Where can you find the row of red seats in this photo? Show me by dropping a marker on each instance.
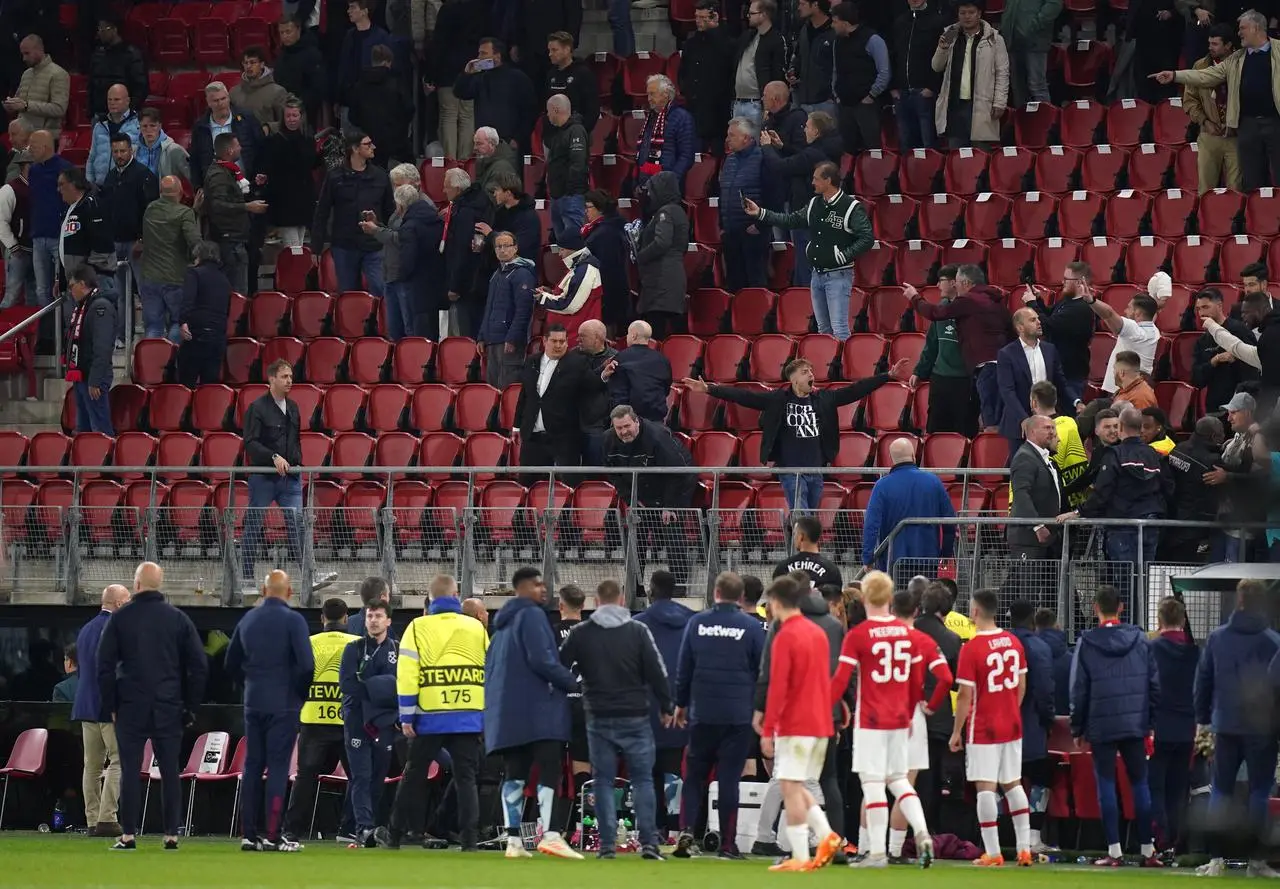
(1078, 215)
(208, 33)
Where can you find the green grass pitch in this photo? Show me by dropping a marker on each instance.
(38, 860)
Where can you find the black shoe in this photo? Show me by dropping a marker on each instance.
(123, 845)
(110, 829)
(652, 853)
(386, 838)
(686, 845)
(771, 850)
(727, 854)
(469, 847)
(606, 855)
(170, 845)
(430, 842)
(840, 859)
(899, 859)
(248, 845)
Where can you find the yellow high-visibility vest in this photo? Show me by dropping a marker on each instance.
(324, 696)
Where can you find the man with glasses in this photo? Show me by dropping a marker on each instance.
(508, 313)
(761, 59)
(1069, 324)
(357, 190)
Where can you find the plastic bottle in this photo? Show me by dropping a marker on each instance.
(59, 818)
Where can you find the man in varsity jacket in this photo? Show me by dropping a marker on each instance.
(839, 232)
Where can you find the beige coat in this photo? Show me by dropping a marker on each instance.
(990, 85)
(1229, 71)
(46, 89)
(1200, 103)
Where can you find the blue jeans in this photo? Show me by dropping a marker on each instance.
(44, 255)
(1258, 753)
(567, 216)
(751, 109)
(19, 277)
(632, 737)
(989, 401)
(349, 264)
(124, 252)
(264, 490)
(831, 292)
(593, 449)
(93, 415)
(269, 740)
(1133, 752)
(801, 272)
(401, 315)
(915, 120)
(161, 306)
(368, 760)
(803, 496)
(624, 35)
(1122, 547)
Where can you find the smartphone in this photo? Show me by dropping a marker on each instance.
(742, 197)
(367, 215)
(484, 64)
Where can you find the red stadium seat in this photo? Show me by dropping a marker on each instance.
(1030, 214)
(1101, 167)
(939, 217)
(128, 403)
(310, 314)
(705, 219)
(861, 355)
(355, 314)
(1010, 169)
(986, 215)
(1100, 348)
(943, 450)
(248, 32)
(1143, 257)
(873, 267)
(368, 359)
(507, 404)
(1182, 354)
(1052, 256)
(90, 449)
(750, 308)
(1151, 167)
(711, 448)
(697, 411)
(893, 214)
(212, 42)
(288, 348)
(440, 450)
(1127, 120)
(1219, 208)
(177, 450)
(170, 42)
(875, 173)
(1033, 125)
(684, 352)
(211, 406)
(887, 406)
(1237, 252)
(1055, 169)
(412, 360)
(1171, 212)
(395, 449)
(906, 345)
(1126, 212)
(387, 405)
(638, 67)
(855, 449)
(167, 407)
(1010, 261)
(769, 354)
(325, 358)
(293, 264)
(920, 405)
(708, 307)
(916, 261)
(151, 361)
(1192, 258)
(724, 357)
(887, 309)
(965, 169)
(476, 407)
(351, 449)
(1262, 213)
(611, 170)
(795, 311)
(431, 406)
(342, 406)
(246, 396)
(697, 182)
(1080, 121)
(1086, 62)
(486, 449)
(308, 399)
(237, 310)
(1080, 214)
(738, 417)
(990, 450)
(1170, 123)
(224, 449)
(1104, 256)
(920, 171)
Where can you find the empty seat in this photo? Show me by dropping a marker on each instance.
(965, 170)
(1080, 215)
(475, 407)
(456, 359)
(1056, 168)
(1010, 170)
(1127, 120)
(861, 355)
(986, 216)
(90, 449)
(894, 215)
(176, 450)
(211, 406)
(411, 362)
(368, 359)
(1127, 212)
(431, 405)
(242, 360)
(920, 170)
(223, 449)
(750, 308)
(724, 356)
(1101, 167)
(1219, 208)
(1262, 213)
(916, 261)
(440, 450)
(1104, 256)
(684, 353)
(939, 216)
(1237, 252)
(486, 449)
(308, 398)
(310, 315)
(1034, 123)
(167, 407)
(874, 267)
(1030, 214)
(386, 407)
(769, 355)
(128, 406)
(325, 359)
(1143, 257)
(353, 449)
(1172, 210)
(343, 407)
(1151, 167)
(283, 348)
(1170, 124)
(875, 173)
(886, 407)
(151, 361)
(355, 314)
(1010, 261)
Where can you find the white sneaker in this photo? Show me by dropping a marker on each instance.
(553, 844)
(871, 861)
(1259, 868)
(1043, 848)
(516, 849)
(320, 581)
(1215, 868)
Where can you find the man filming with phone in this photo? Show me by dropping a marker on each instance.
(503, 94)
(1070, 324)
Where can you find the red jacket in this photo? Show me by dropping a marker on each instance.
(799, 676)
(982, 320)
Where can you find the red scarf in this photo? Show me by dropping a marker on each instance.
(74, 373)
(657, 138)
(448, 217)
(235, 171)
(590, 226)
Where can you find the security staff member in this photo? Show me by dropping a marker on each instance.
(715, 685)
(151, 675)
(369, 712)
(90, 338)
(321, 744)
(440, 680)
(269, 648)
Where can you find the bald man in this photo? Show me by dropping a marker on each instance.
(270, 648)
(640, 376)
(96, 728)
(151, 674)
(119, 118)
(593, 343)
(567, 143)
(783, 125)
(43, 92)
(170, 233)
(907, 492)
(47, 211)
(475, 608)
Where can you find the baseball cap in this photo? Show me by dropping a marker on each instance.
(1241, 401)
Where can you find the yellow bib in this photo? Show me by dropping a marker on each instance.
(324, 697)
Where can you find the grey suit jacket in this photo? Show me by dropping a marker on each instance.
(1036, 494)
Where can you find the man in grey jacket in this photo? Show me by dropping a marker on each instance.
(169, 233)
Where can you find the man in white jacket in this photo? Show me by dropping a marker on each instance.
(15, 235)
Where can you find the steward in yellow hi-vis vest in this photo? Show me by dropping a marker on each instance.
(324, 696)
(440, 673)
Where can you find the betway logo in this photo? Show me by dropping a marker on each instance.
(735, 634)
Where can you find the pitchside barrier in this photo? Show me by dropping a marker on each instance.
(65, 533)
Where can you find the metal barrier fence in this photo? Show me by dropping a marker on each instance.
(66, 533)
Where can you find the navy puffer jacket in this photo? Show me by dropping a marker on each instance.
(1115, 685)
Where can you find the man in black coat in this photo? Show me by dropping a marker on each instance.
(1070, 324)
(783, 122)
(640, 376)
(935, 604)
(1214, 369)
(1037, 494)
(593, 410)
(503, 95)
(382, 107)
(114, 61)
(468, 206)
(791, 166)
(151, 675)
(126, 193)
(1193, 500)
(767, 61)
(349, 192)
(300, 67)
(571, 79)
(801, 425)
(547, 412)
(706, 75)
(915, 84)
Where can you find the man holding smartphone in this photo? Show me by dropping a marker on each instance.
(1069, 324)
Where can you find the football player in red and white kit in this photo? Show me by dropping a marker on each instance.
(905, 607)
(992, 675)
(884, 651)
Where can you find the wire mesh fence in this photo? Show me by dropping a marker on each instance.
(33, 548)
(670, 539)
(586, 546)
(423, 541)
(109, 544)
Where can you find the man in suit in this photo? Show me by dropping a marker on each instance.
(1037, 494)
(551, 388)
(1021, 364)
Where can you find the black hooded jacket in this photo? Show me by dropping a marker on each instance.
(1131, 483)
